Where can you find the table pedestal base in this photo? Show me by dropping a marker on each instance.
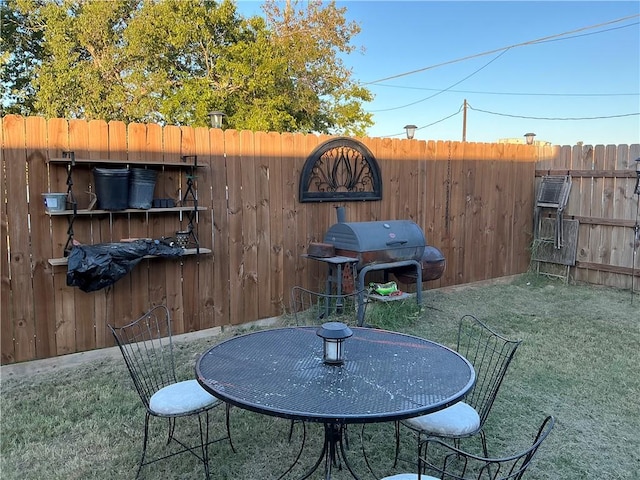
(332, 453)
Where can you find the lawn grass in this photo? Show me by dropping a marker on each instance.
(578, 361)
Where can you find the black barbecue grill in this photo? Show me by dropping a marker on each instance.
(377, 242)
(390, 245)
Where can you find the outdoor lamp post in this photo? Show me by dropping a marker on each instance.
(333, 335)
(529, 138)
(411, 131)
(637, 189)
(216, 119)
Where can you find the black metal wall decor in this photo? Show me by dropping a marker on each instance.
(341, 169)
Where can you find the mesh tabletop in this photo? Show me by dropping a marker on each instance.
(386, 375)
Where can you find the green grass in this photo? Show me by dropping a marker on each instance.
(579, 361)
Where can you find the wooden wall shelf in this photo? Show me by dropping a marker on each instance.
(128, 210)
(187, 251)
(143, 162)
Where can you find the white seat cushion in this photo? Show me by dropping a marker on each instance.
(457, 420)
(180, 398)
(408, 476)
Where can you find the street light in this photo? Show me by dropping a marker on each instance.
(411, 131)
(529, 138)
(216, 119)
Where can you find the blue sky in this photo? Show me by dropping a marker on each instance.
(594, 72)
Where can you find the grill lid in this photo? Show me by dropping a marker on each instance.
(377, 236)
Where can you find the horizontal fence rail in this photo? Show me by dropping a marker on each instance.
(474, 202)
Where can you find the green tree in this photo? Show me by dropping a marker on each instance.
(20, 52)
(173, 61)
(326, 99)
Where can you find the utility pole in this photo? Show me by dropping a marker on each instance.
(464, 121)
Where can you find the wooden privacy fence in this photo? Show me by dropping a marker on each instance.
(474, 202)
(603, 203)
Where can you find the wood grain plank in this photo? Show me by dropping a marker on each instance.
(456, 215)
(44, 310)
(443, 206)
(597, 210)
(84, 302)
(118, 228)
(103, 299)
(159, 226)
(315, 220)
(139, 223)
(204, 230)
(581, 158)
(278, 297)
(7, 350)
(476, 177)
(294, 222)
(395, 200)
(374, 209)
(174, 184)
(497, 230)
(237, 299)
(435, 193)
(298, 220)
(22, 327)
(249, 224)
(190, 266)
(220, 227)
(523, 232)
(263, 171)
(58, 141)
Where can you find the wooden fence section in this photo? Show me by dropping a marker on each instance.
(602, 200)
(474, 202)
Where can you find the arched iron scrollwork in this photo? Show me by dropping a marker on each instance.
(341, 169)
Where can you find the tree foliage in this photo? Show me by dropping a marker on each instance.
(173, 61)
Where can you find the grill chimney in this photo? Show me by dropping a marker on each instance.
(340, 213)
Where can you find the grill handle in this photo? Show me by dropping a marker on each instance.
(396, 242)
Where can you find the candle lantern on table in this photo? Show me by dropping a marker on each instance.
(333, 335)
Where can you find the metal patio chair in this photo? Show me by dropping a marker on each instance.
(316, 308)
(439, 460)
(490, 354)
(147, 349)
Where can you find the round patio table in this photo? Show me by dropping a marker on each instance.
(386, 376)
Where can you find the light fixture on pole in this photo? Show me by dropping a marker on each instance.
(216, 119)
(529, 138)
(411, 131)
(333, 335)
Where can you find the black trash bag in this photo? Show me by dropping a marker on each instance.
(92, 267)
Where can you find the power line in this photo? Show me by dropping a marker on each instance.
(522, 94)
(591, 33)
(530, 42)
(553, 118)
(515, 116)
(428, 125)
(446, 89)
